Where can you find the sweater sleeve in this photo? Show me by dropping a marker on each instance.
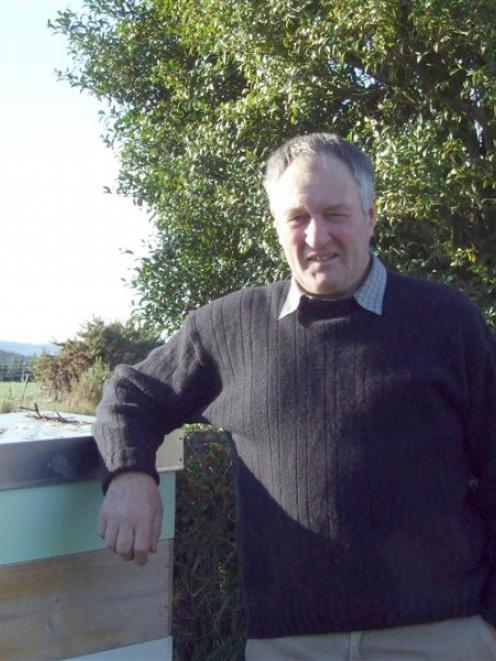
(142, 403)
(479, 359)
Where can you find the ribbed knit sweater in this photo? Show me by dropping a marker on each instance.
(364, 450)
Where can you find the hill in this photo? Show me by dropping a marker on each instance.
(10, 357)
(14, 366)
(28, 349)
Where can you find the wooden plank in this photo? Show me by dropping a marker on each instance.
(49, 521)
(78, 604)
(153, 650)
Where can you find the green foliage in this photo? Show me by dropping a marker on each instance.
(86, 391)
(77, 372)
(117, 343)
(208, 620)
(59, 372)
(198, 93)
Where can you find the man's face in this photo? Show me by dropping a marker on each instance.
(321, 225)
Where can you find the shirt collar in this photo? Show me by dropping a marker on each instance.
(370, 295)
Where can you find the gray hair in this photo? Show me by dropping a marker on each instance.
(329, 144)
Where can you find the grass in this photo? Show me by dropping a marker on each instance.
(14, 394)
(16, 389)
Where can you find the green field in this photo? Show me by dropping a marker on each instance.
(14, 394)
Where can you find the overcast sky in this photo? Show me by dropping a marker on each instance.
(61, 236)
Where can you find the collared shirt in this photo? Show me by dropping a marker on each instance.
(370, 295)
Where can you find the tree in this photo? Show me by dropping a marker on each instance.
(91, 355)
(198, 93)
(116, 343)
(58, 373)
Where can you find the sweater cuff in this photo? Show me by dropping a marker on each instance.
(129, 460)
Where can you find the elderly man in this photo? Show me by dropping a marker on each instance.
(362, 410)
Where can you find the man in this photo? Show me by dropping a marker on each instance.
(362, 409)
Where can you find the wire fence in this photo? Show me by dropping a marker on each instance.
(16, 373)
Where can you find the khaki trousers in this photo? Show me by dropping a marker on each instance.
(464, 639)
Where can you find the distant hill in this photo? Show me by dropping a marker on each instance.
(14, 366)
(8, 357)
(28, 349)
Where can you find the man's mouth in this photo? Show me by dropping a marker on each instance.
(322, 258)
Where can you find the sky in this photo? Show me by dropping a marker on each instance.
(61, 236)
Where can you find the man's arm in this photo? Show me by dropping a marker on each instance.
(478, 355)
(141, 404)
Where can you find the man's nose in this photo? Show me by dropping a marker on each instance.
(317, 233)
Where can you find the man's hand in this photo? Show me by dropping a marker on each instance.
(131, 516)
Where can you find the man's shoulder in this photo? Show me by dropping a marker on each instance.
(246, 299)
(442, 300)
(427, 289)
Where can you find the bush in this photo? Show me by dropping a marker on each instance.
(208, 617)
(86, 391)
(7, 403)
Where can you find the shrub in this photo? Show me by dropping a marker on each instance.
(208, 618)
(86, 391)
(7, 404)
